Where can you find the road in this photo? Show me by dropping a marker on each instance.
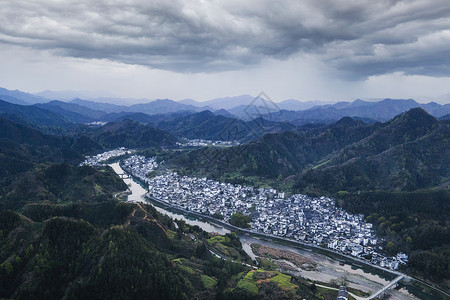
(374, 295)
(227, 258)
(386, 287)
(269, 236)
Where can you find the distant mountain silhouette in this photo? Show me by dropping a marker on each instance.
(160, 106)
(13, 100)
(292, 104)
(228, 102)
(32, 115)
(25, 98)
(380, 111)
(73, 112)
(102, 106)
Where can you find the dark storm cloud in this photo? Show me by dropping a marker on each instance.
(361, 37)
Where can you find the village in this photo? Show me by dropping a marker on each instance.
(312, 220)
(100, 159)
(139, 166)
(300, 217)
(203, 143)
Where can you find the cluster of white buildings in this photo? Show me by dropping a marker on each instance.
(200, 194)
(312, 220)
(139, 166)
(203, 143)
(96, 123)
(99, 159)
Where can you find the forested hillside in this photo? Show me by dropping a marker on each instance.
(131, 134)
(206, 125)
(120, 251)
(21, 147)
(35, 117)
(407, 153)
(61, 183)
(410, 152)
(67, 237)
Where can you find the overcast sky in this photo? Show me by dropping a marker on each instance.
(307, 50)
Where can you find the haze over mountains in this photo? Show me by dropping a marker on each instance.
(244, 107)
(356, 145)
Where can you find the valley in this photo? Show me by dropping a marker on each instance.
(364, 201)
(225, 150)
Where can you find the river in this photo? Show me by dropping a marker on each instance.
(138, 195)
(327, 268)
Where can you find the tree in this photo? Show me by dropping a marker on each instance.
(390, 247)
(8, 267)
(217, 215)
(240, 220)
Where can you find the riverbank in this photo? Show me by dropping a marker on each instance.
(340, 257)
(360, 274)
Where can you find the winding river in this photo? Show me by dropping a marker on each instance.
(328, 269)
(138, 195)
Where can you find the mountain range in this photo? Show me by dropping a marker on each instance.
(159, 106)
(409, 152)
(244, 107)
(34, 116)
(19, 97)
(378, 111)
(246, 100)
(349, 154)
(310, 144)
(59, 218)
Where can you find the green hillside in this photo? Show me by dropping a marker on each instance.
(206, 125)
(407, 153)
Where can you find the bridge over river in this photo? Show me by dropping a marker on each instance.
(386, 287)
(374, 295)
